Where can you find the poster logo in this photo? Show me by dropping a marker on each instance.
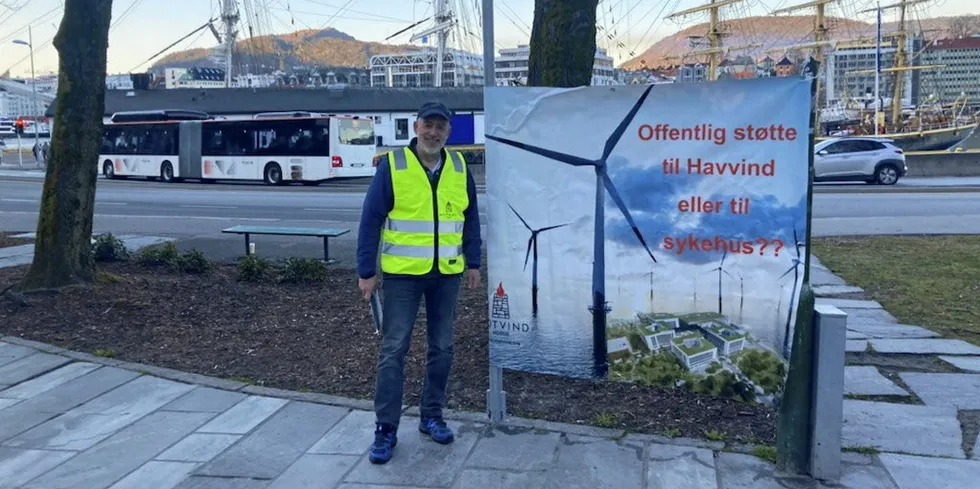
(500, 308)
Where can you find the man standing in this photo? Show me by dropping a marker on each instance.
(424, 198)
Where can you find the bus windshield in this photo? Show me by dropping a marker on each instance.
(355, 132)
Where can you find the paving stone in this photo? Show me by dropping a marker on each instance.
(866, 316)
(48, 381)
(280, 441)
(856, 458)
(922, 430)
(242, 417)
(199, 447)
(970, 364)
(351, 436)
(829, 290)
(38, 409)
(156, 475)
(514, 449)
(961, 391)
(855, 345)
(383, 486)
(866, 380)
(911, 472)
(5, 403)
(865, 476)
(89, 423)
(206, 400)
(30, 366)
(895, 331)
(596, 463)
(852, 335)
(198, 482)
(674, 467)
(313, 471)
(741, 471)
(10, 353)
(417, 459)
(927, 346)
(18, 466)
(976, 450)
(821, 276)
(115, 457)
(482, 479)
(16, 261)
(849, 303)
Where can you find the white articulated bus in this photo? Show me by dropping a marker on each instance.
(179, 145)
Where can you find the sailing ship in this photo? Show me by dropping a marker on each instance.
(928, 126)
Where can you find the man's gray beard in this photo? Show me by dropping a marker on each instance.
(428, 151)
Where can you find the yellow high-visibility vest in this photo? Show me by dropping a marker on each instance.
(412, 237)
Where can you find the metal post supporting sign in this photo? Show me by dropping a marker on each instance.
(496, 397)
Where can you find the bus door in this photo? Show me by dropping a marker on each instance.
(352, 147)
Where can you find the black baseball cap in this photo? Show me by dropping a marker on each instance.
(434, 109)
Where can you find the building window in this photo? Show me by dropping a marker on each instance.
(401, 128)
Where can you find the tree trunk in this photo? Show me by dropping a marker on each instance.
(62, 250)
(562, 43)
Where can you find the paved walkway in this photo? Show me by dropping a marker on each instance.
(69, 420)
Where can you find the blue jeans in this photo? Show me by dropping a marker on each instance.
(401, 297)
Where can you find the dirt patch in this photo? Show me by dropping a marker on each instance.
(6, 240)
(320, 338)
(970, 424)
(901, 362)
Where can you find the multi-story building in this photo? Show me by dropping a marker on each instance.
(194, 78)
(119, 82)
(729, 338)
(510, 66)
(417, 69)
(694, 350)
(960, 71)
(851, 71)
(21, 104)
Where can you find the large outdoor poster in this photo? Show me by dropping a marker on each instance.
(696, 247)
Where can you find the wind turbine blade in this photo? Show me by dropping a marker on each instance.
(527, 255)
(787, 272)
(626, 212)
(553, 227)
(730, 275)
(723, 255)
(562, 157)
(519, 217)
(618, 133)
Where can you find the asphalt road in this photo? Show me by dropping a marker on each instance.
(197, 213)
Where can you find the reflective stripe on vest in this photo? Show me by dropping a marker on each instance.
(413, 236)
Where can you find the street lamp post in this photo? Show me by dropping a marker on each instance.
(37, 124)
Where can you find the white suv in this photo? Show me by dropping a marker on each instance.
(867, 159)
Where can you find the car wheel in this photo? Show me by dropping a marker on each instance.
(886, 175)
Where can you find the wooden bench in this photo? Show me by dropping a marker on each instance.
(325, 233)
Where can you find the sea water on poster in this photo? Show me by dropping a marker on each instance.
(703, 168)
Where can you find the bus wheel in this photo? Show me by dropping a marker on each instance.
(273, 174)
(166, 172)
(107, 170)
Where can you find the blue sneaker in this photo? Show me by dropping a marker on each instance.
(436, 428)
(385, 439)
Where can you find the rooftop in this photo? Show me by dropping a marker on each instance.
(959, 43)
(221, 101)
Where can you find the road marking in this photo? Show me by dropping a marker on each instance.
(110, 203)
(209, 207)
(319, 210)
(19, 200)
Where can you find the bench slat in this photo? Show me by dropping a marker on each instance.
(329, 232)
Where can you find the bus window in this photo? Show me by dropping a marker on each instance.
(355, 132)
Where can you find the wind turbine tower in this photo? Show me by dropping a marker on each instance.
(443, 23)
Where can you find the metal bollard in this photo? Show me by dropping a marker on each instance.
(827, 415)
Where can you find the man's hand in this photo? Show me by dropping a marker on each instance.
(367, 286)
(472, 278)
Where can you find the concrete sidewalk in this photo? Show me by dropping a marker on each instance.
(74, 421)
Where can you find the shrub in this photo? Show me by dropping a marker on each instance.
(157, 255)
(193, 261)
(251, 268)
(303, 270)
(109, 248)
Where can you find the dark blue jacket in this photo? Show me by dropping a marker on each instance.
(379, 201)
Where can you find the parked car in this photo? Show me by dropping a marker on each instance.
(868, 159)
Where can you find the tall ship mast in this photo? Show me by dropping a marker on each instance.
(715, 50)
(925, 126)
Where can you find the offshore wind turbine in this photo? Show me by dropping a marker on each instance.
(532, 244)
(795, 268)
(720, 269)
(603, 182)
